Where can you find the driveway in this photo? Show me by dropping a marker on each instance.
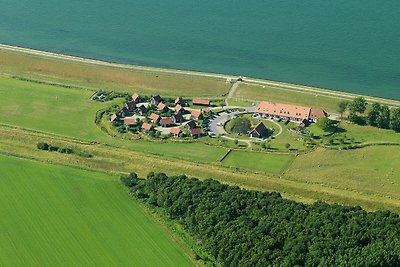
(217, 124)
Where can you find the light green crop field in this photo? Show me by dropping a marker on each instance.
(109, 78)
(255, 92)
(260, 162)
(61, 216)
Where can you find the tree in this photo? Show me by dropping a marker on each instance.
(325, 124)
(395, 120)
(383, 120)
(240, 125)
(43, 146)
(373, 114)
(341, 108)
(287, 145)
(359, 105)
(130, 180)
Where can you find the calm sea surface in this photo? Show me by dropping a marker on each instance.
(346, 45)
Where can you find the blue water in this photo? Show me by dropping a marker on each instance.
(352, 46)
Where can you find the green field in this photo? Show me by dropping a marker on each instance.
(61, 216)
(109, 78)
(260, 162)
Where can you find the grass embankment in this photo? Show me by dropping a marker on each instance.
(61, 216)
(110, 78)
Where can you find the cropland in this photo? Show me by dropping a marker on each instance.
(63, 216)
(48, 100)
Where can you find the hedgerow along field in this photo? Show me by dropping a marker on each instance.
(61, 216)
(110, 78)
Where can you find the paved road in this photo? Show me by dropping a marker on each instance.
(217, 124)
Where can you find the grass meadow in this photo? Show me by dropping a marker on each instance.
(61, 216)
(109, 78)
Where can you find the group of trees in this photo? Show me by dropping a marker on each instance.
(52, 148)
(250, 228)
(378, 115)
(240, 125)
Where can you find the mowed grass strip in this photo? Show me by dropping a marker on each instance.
(109, 78)
(61, 216)
(264, 93)
(259, 162)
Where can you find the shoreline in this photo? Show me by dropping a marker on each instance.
(247, 80)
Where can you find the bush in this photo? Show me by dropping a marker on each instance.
(43, 146)
(65, 150)
(240, 125)
(130, 180)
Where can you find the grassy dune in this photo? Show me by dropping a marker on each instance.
(109, 78)
(60, 216)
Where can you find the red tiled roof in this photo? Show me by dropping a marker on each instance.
(114, 117)
(165, 121)
(195, 131)
(197, 101)
(206, 110)
(135, 96)
(129, 120)
(161, 106)
(196, 113)
(146, 126)
(175, 131)
(178, 100)
(178, 108)
(283, 110)
(317, 113)
(154, 117)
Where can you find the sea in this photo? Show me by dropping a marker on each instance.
(351, 46)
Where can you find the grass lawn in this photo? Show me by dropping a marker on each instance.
(369, 134)
(375, 170)
(260, 162)
(255, 92)
(109, 78)
(61, 216)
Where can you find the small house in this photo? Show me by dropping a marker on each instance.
(131, 105)
(196, 114)
(179, 101)
(146, 127)
(155, 100)
(177, 118)
(136, 98)
(165, 122)
(154, 117)
(175, 132)
(207, 111)
(114, 117)
(141, 110)
(201, 102)
(161, 106)
(191, 125)
(124, 111)
(179, 109)
(195, 132)
(316, 114)
(260, 131)
(129, 121)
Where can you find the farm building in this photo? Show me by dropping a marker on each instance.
(294, 113)
(260, 131)
(201, 102)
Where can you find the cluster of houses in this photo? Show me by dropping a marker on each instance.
(177, 115)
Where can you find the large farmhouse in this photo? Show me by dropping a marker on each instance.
(294, 113)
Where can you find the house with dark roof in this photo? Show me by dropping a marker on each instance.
(146, 127)
(201, 102)
(260, 131)
(131, 105)
(161, 106)
(195, 132)
(155, 100)
(195, 114)
(177, 118)
(136, 98)
(175, 132)
(191, 125)
(154, 117)
(124, 111)
(165, 122)
(141, 110)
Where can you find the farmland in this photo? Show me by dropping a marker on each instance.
(56, 215)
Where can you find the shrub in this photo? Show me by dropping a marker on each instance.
(65, 150)
(43, 146)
